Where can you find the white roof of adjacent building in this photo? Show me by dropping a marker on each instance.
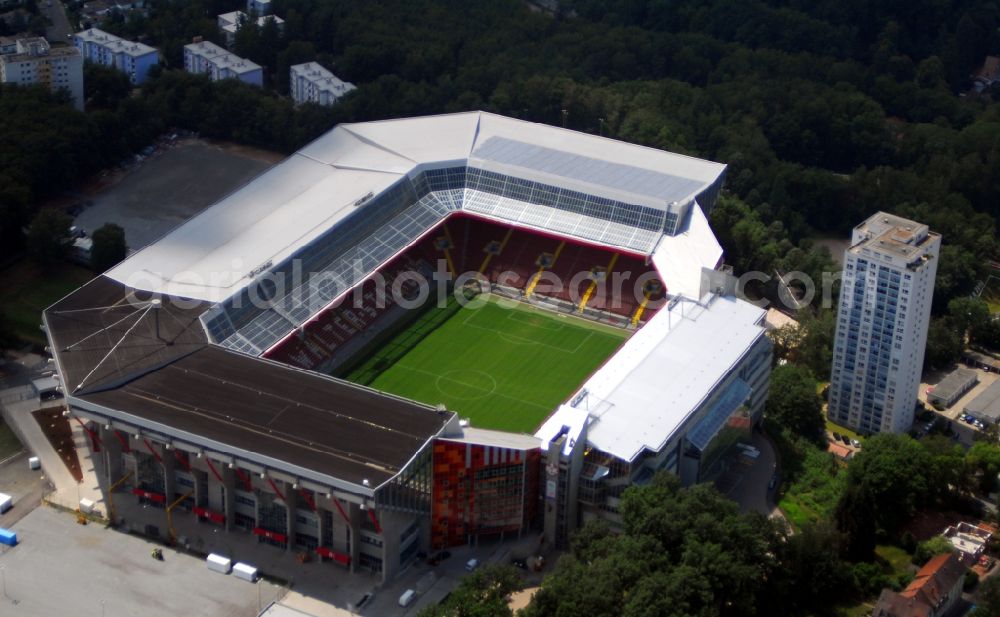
(114, 43)
(221, 58)
(230, 22)
(498, 439)
(654, 383)
(323, 79)
(213, 255)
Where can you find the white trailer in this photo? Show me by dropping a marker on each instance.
(6, 502)
(245, 571)
(218, 563)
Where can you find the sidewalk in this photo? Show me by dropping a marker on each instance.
(67, 492)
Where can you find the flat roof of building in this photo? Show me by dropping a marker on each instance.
(301, 418)
(500, 439)
(650, 388)
(891, 234)
(150, 364)
(50, 52)
(213, 255)
(115, 43)
(221, 57)
(987, 404)
(323, 79)
(955, 382)
(231, 20)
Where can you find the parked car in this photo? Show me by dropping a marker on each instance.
(845, 439)
(773, 482)
(855, 443)
(968, 419)
(836, 436)
(365, 599)
(471, 565)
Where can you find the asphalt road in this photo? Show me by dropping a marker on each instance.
(747, 481)
(60, 29)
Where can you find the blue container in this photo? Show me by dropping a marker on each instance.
(8, 537)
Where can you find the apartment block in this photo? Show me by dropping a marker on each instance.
(133, 59)
(311, 83)
(34, 61)
(885, 304)
(208, 58)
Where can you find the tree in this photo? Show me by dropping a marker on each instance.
(888, 481)
(793, 402)
(104, 86)
(48, 236)
(109, 247)
(938, 545)
(989, 599)
(968, 314)
(983, 462)
(944, 344)
(480, 594)
(682, 551)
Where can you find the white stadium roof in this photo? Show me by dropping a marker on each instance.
(214, 255)
(655, 382)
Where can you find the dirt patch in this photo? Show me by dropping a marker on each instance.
(257, 154)
(59, 433)
(521, 599)
(926, 525)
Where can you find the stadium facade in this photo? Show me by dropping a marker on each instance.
(199, 366)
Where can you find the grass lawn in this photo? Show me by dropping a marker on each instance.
(504, 366)
(894, 560)
(843, 430)
(26, 289)
(814, 481)
(991, 293)
(8, 441)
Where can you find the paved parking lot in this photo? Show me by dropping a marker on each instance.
(26, 486)
(171, 187)
(62, 568)
(964, 432)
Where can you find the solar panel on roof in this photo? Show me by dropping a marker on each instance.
(585, 169)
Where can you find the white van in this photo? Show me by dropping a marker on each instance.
(407, 598)
(471, 564)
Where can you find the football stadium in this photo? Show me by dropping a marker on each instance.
(413, 334)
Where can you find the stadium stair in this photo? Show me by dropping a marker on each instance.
(447, 252)
(593, 284)
(639, 311)
(538, 275)
(489, 256)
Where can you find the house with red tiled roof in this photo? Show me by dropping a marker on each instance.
(840, 451)
(933, 592)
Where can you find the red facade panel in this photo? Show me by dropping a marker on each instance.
(481, 490)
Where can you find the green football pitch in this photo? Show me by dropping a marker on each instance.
(503, 365)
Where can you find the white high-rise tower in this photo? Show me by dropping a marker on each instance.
(885, 305)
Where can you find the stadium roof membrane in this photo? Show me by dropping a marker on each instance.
(214, 255)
